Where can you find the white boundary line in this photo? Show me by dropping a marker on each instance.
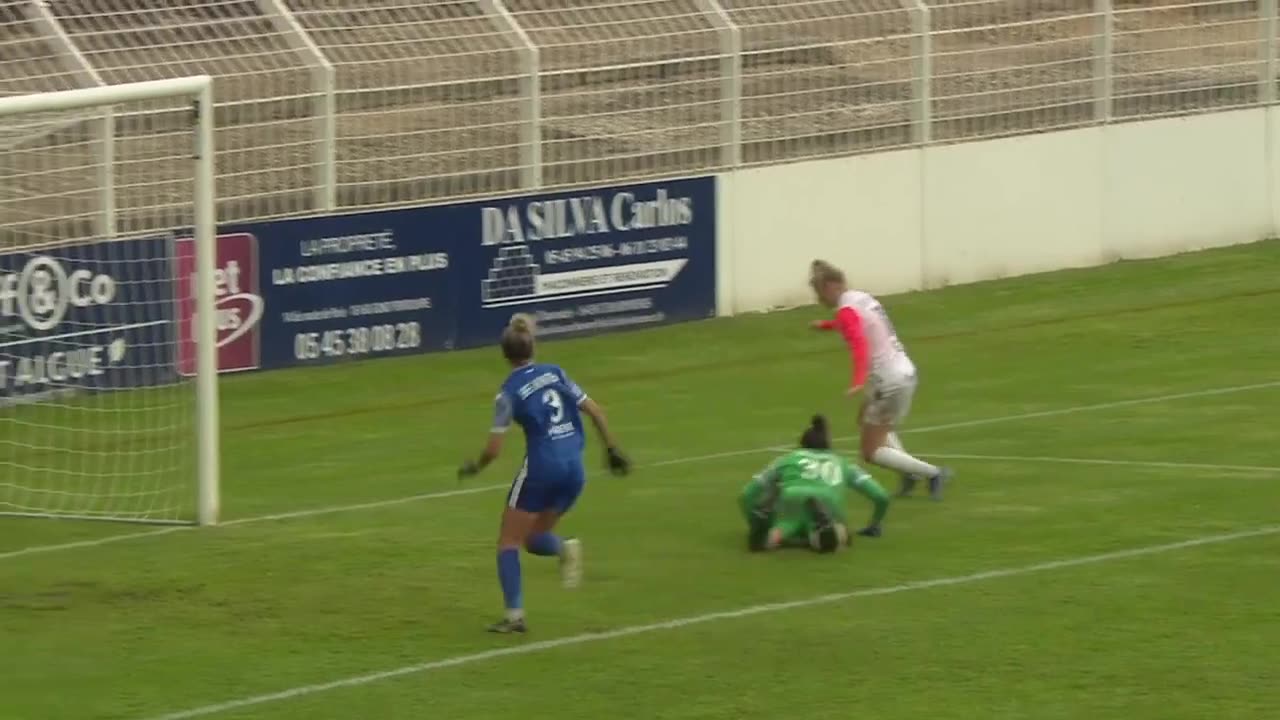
(315, 512)
(1097, 406)
(1100, 461)
(96, 542)
(678, 623)
(371, 505)
(998, 419)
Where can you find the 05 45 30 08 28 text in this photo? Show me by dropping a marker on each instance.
(357, 341)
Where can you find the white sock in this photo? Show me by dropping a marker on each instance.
(515, 615)
(895, 459)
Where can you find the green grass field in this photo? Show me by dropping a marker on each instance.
(1121, 421)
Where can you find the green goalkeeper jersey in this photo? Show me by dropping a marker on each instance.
(823, 473)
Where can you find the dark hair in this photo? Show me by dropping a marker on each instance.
(517, 339)
(816, 436)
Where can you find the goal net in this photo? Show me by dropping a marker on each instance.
(108, 394)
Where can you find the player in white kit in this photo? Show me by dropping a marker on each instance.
(881, 363)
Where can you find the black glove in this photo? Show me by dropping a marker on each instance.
(618, 463)
(468, 469)
(871, 531)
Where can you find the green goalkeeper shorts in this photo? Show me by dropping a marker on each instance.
(794, 519)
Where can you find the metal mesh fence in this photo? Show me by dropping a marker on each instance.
(264, 139)
(339, 104)
(29, 62)
(1006, 67)
(630, 88)
(823, 78)
(427, 99)
(1174, 57)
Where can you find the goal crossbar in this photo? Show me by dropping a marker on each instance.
(199, 90)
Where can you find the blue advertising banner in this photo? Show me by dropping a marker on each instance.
(91, 316)
(350, 287)
(121, 314)
(590, 261)
(420, 279)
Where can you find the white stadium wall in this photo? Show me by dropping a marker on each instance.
(1187, 183)
(857, 212)
(1009, 207)
(977, 211)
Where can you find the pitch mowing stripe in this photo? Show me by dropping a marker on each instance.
(678, 623)
(314, 512)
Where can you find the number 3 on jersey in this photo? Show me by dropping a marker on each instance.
(551, 399)
(826, 470)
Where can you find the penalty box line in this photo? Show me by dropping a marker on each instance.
(391, 502)
(692, 620)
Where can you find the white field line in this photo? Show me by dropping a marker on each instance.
(96, 542)
(373, 504)
(1101, 461)
(999, 419)
(314, 512)
(678, 623)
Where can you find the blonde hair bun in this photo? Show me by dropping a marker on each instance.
(522, 322)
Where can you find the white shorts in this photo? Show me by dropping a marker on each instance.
(889, 399)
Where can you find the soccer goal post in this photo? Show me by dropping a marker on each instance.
(108, 340)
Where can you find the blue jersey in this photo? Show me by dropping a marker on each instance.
(544, 402)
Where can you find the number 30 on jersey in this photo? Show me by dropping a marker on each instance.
(826, 470)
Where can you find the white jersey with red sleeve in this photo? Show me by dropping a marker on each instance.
(878, 355)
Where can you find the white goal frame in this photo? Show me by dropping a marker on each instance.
(199, 90)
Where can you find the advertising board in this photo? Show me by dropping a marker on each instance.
(121, 313)
(413, 280)
(88, 316)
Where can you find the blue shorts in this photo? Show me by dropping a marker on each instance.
(540, 489)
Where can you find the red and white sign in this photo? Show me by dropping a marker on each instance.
(238, 299)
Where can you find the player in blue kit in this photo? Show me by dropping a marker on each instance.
(547, 405)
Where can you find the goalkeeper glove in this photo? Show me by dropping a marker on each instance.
(618, 463)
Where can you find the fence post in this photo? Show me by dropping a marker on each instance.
(921, 71)
(530, 90)
(1267, 74)
(730, 81)
(104, 128)
(326, 110)
(1103, 57)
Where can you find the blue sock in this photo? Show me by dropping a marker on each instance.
(543, 544)
(509, 577)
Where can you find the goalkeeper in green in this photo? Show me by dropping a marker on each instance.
(799, 500)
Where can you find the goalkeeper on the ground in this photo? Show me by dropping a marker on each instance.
(799, 500)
